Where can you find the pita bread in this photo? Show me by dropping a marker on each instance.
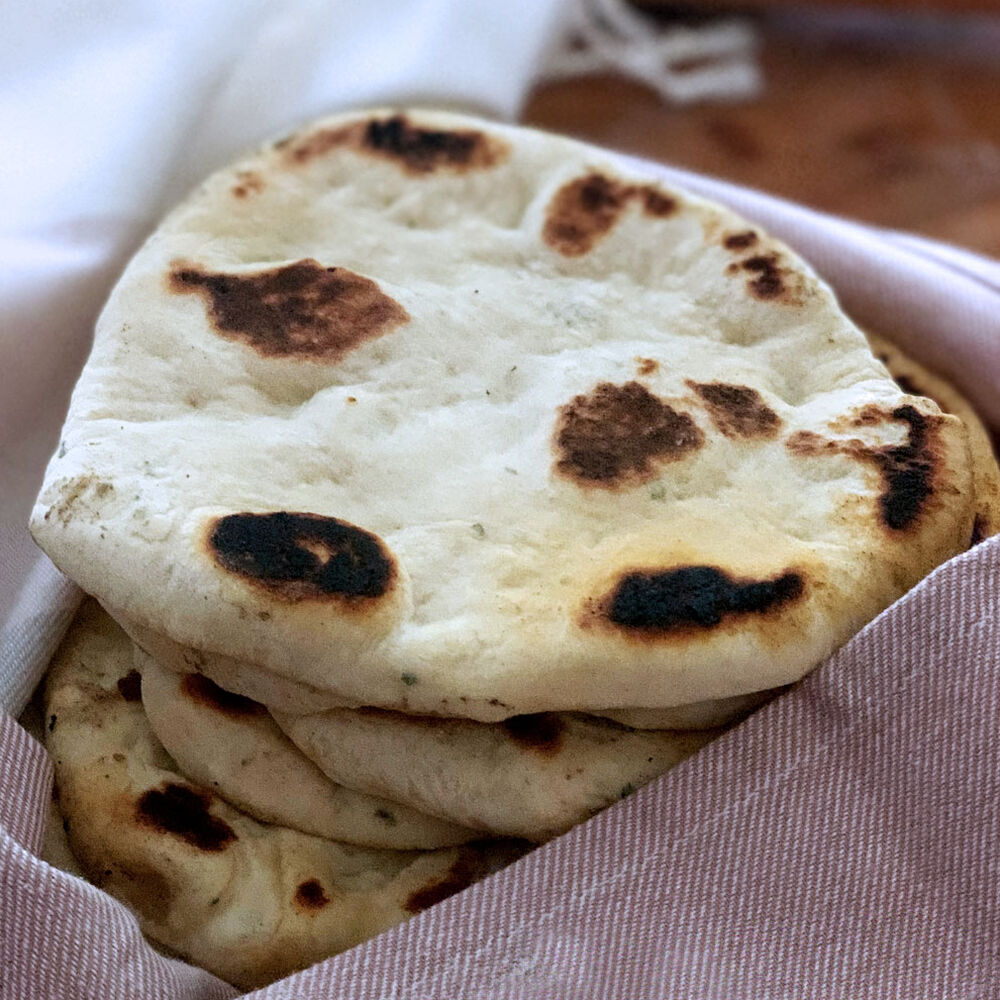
(301, 699)
(231, 745)
(914, 378)
(247, 901)
(456, 418)
(532, 776)
(698, 715)
(911, 377)
(231, 674)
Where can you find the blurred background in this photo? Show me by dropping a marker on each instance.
(885, 111)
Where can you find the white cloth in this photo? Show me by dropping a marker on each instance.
(681, 62)
(110, 111)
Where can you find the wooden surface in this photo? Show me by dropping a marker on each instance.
(904, 5)
(909, 140)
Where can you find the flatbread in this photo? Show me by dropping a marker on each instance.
(457, 418)
(231, 674)
(531, 776)
(698, 715)
(914, 378)
(246, 901)
(301, 699)
(231, 745)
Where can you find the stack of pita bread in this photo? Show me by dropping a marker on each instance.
(444, 482)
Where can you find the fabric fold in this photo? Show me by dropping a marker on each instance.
(25, 783)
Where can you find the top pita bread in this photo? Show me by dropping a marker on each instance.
(450, 417)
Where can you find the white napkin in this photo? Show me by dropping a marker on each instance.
(110, 111)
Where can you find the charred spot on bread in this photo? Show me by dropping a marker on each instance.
(311, 896)
(737, 410)
(302, 311)
(909, 470)
(416, 149)
(768, 282)
(616, 434)
(740, 241)
(584, 210)
(659, 602)
(303, 556)
(184, 812)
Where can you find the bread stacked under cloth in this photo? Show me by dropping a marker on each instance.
(452, 480)
(249, 883)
